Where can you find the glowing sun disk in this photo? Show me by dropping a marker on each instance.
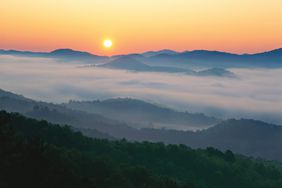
(108, 43)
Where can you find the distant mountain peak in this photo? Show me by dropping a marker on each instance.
(126, 62)
(68, 51)
(70, 54)
(62, 50)
(207, 52)
(276, 50)
(9, 94)
(217, 72)
(126, 58)
(160, 52)
(272, 52)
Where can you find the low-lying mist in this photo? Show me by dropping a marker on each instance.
(255, 93)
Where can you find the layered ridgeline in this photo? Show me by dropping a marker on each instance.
(137, 113)
(205, 58)
(67, 55)
(39, 154)
(137, 120)
(131, 64)
(142, 114)
(196, 58)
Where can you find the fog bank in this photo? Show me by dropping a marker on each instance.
(257, 93)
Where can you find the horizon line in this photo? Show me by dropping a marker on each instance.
(131, 53)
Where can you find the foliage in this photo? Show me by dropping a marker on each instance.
(39, 154)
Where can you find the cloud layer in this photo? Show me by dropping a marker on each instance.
(257, 93)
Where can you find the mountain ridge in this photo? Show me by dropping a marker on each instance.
(63, 54)
(197, 58)
(163, 51)
(132, 64)
(244, 136)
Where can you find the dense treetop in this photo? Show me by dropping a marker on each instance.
(39, 154)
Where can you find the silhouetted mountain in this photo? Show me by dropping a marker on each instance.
(154, 53)
(112, 113)
(132, 64)
(248, 137)
(69, 54)
(23, 53)
(4, 93)
(245, 136)
(59, 54)
(132, 55)
(142, 114)
(277, 53)
(216, 72)
(196, 58)
(205, 58)
(58, 114)
(127, 63)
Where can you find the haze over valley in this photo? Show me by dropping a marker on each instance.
(125, 97)
(140, 94)
(249, 93)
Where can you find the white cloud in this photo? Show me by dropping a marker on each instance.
(256, 94)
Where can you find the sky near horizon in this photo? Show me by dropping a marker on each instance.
(240, 26)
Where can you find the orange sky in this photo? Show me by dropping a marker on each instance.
(139, 25)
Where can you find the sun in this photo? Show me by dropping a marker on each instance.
(108, 43)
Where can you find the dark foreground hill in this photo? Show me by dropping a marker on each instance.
(39, 154)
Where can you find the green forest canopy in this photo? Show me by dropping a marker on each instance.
(39, 154)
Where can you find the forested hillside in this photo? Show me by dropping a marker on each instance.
(143, 114)
(105, 119)
(39, 154)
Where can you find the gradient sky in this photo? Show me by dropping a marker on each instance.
(241, 26)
